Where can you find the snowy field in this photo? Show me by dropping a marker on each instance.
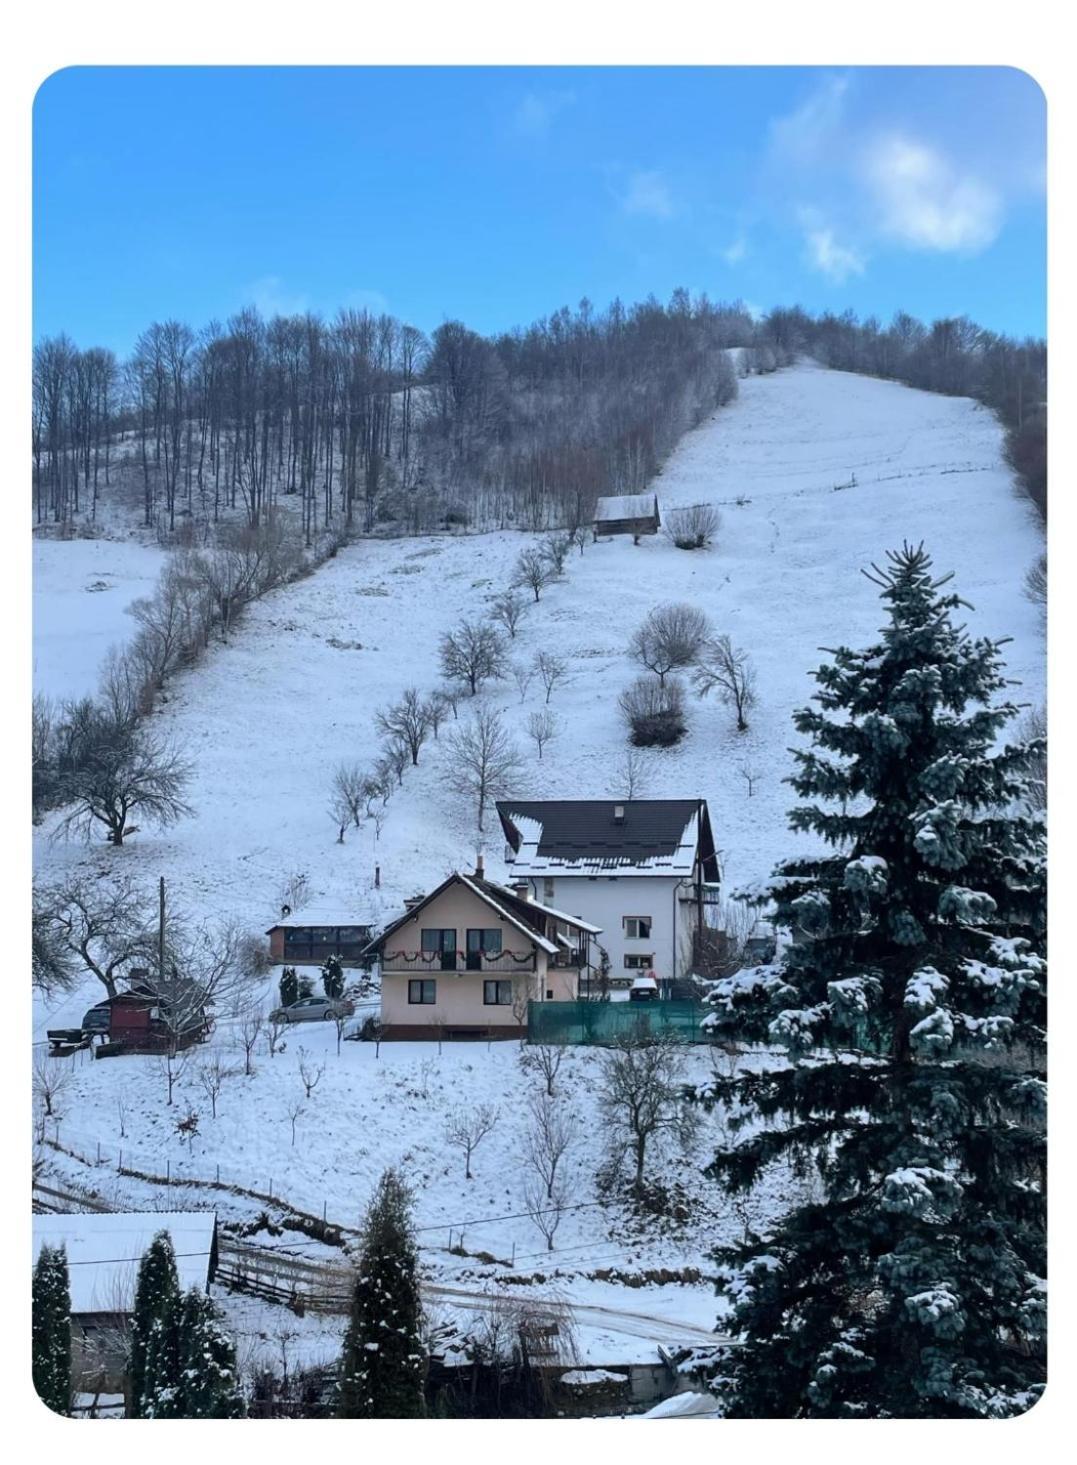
(82, 588)
(266, 719)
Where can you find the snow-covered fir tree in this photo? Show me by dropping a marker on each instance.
(51, 1328)
(154, 1362)
(209, 1387)
(383, 1367)
(911, 1000)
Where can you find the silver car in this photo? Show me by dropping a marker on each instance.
(312, 1009)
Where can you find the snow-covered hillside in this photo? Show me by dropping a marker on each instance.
(82, 589)
(267, 718)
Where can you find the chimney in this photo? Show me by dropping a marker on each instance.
(522, 889)
(412, 901)
(480, 869)
(285, 912)
(618, 813)
(377, 877)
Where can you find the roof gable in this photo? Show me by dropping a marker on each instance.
(497, 902)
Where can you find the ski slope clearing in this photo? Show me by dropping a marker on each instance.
(82, 589)
(817, 474)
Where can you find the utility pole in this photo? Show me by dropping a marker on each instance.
(161, 932)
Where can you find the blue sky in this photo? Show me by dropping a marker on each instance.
(497, 195)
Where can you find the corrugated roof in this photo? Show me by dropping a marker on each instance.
(325, 915)
(105, 1248)
(585, 836)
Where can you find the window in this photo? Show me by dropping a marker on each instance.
(637, 928)
(439, 948)
(497, 994)
(480, 944)
(422, 992)
(549, 994)
(636, 963)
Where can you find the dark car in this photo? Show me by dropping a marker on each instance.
(97, 1020)
(312, 1009)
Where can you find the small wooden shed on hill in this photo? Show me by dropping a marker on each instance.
(628, 513)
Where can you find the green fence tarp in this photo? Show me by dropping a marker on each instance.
(605, 1022)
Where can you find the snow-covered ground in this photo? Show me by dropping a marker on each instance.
(82, 588)
(266, 719)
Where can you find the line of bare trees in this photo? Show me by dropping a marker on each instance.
(363, 419)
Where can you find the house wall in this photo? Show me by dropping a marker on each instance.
(606, 900)
(459, 1001)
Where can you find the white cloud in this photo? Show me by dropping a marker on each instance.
(648, 195)
(925, 202)
(826, 254)
(269, 296)
(536, 111)
(803, 135)
(735, 252)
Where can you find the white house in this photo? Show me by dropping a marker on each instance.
(644, 870)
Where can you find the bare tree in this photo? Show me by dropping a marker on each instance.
(340, 1022)
(633, 775)
(250, 1030)
(437, 709)
(641, 1095)
(523, 675)
(294, 892)
(451, 695)
(173, 1064)
(275, 1030)
(692, 527)
(309, 1073)
(51, 1078)
(727, 669)
(53, 968)
(101, 923)
(407, 721)
(212, 1076)
(549, 1138)
(546, 1060)
(465, 1130)
(393, 764)
(293, 1111)
(552, 671)
(348, 797)
(546, 1207)
(483, 761)
(507, 611)
(671, 637)
(555, 551)
(523, 992)
(121, 1114)
(751, 776)
(1036, 584)
(541, 727)
(533, 571)
(134, 772)
(472, 654)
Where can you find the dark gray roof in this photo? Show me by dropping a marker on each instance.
(556, 833)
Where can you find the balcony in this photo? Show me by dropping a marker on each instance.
(429, 963)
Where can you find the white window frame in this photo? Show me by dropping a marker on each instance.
(638, 961)
(638, 935)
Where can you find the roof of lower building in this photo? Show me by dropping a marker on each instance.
(626, 506)
(325, 915)
(601, 836)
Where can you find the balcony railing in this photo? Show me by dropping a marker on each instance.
(429, 963)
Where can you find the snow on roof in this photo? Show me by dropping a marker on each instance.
(327, 915)
(587, 836)
(684, 1406)
(549, 910)
(483, 891)
(105, 1248)
(626, 506)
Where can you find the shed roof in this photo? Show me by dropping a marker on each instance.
(105, 1248)
(325, 915)
(626, 506)
(585, 836)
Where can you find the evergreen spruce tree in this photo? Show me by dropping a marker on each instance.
(383, 1367)
(912, 1005)
(333, 976)
(51, 1329)
(289, 986)
(154, 1362)
(210, 1388)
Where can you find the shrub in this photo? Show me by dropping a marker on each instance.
(654, 712)
(692, 527)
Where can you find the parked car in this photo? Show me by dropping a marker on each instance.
(643, 989)
(97, 1020)
(312, 1009)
